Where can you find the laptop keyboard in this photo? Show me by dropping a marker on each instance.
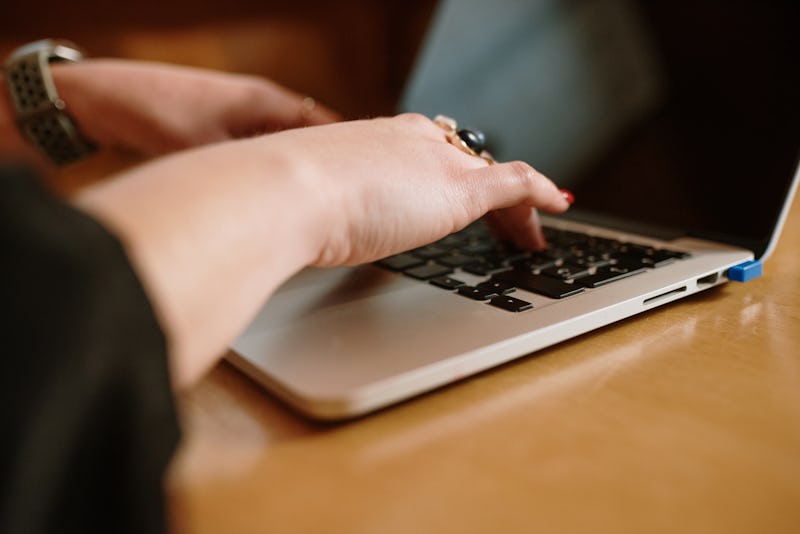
(572, 263)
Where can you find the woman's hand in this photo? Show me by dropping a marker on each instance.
(389, 185)
(153, 108)
(214, 231)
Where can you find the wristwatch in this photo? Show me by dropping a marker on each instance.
(41, 114)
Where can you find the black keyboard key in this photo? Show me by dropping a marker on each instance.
(476, 231)
(536, 262)
(635, 250)
(647, 257)
(606, 275)
(451, 241)
(500, 252)
(498, 286)
(510, 303)
(485, 269)
(428, 271)
(430, 252)
(509, 253)
(602, 244)
(563, 238)
(537, 283)
(446, 282)
(558, 254)
(566, 271)
(400, 262)
(589, 261)
(482, 246)
(659, 258)
(457, 260)
(477, 294)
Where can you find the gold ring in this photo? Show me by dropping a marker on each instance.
(450, 127)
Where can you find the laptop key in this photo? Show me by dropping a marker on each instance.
(485, 269)
(446, 282)
(510, 303)
(478, 247)
(498, 286)
(477, 294)
(557, 254)
(537, 283)
(566, 271)
(457, 260)
(609, 274)
(429, 252)
(400, 262)
(651, 258)
(659, 258)
(428, 271)
(536, 262)
(452, 240)
(590, 260)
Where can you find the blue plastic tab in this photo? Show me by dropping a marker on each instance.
(744, 272)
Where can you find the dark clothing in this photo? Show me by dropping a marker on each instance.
(86, 413)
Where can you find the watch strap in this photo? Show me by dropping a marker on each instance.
(41, 113)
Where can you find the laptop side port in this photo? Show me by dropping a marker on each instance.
(663, 296)
(707, 280)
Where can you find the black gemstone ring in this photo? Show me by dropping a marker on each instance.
(475, 139)
(473, 142)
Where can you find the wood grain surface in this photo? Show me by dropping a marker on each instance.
(685, 419)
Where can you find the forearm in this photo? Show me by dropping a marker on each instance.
(214, 231)
(210, 245)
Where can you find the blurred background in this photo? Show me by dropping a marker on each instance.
(352, 55)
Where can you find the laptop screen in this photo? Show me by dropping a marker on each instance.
(679, 117)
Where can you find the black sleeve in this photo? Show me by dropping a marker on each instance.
(87, 420)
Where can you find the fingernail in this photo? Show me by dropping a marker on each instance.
(568, 196)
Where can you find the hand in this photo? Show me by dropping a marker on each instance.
(214, 231)
(390, 185)
(153, 108)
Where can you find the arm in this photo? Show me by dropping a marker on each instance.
(152, 108)
(155, 108)
(214, 231)
(87, 413)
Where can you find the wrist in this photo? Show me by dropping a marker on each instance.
(12, 143)
(297, 209)
(39, 110)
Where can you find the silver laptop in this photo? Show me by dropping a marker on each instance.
(675, 127)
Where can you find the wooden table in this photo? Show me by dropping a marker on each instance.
(686, 419)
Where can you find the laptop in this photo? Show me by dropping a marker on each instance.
(676, 126)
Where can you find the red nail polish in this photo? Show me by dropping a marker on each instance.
(569, 197)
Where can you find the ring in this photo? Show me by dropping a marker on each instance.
(469, 141)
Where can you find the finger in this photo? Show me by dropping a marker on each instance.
(271, 107)
(283, 109)
(312, 113)
(509, 184)
(518, 224)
